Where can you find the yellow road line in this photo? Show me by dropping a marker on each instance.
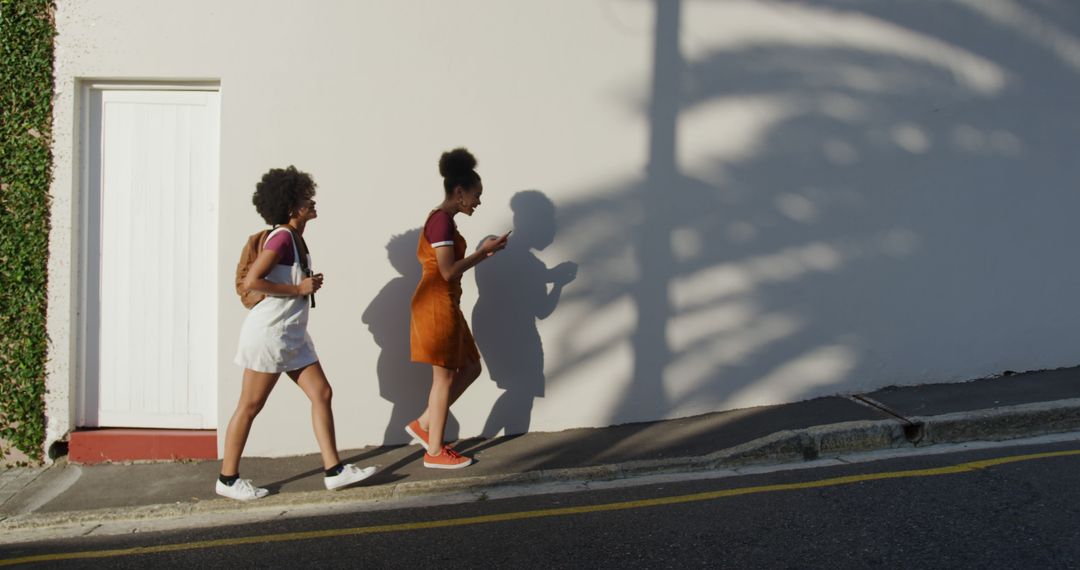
(711, 495)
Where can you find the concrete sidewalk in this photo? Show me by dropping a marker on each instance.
(1012, 406)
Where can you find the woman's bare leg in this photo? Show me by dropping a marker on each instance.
(442, 381)
(256, 388)
(461, 378)
(312, 380)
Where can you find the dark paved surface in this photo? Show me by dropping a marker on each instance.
(97, 485)
(1019, 515)
(111, 486)
(1027, 388)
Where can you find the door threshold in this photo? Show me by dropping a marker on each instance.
(98, 445)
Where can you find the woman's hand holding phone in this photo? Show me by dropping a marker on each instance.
(492, 244)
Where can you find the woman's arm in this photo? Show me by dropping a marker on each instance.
(255, 280)
(453, 269)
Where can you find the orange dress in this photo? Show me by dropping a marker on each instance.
(438, 331)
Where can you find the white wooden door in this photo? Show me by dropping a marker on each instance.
(152, 267)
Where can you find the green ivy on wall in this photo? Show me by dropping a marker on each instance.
(27, 29)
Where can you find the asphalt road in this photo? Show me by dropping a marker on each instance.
(938, 511)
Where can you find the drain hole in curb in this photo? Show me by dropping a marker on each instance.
(913, 432)
(58, 449)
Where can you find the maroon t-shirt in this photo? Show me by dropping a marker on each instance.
(439, 229)
(281, 243)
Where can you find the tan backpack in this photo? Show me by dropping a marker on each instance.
(251, 250)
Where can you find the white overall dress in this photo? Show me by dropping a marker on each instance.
(274, 336)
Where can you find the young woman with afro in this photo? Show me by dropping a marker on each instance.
(274, 338)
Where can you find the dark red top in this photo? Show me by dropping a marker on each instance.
(281, 243)
(439, 229)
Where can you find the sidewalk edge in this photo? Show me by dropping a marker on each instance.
(1011, 422)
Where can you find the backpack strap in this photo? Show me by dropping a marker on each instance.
(302, 252)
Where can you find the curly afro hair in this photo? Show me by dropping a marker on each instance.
(280, 192)
(458, 168)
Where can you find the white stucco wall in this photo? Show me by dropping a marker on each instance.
(802, 199)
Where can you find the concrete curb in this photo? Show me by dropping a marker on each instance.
(1002, 423)
(1026, 420)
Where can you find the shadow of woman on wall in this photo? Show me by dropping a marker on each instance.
(512, 294)
(403, 383)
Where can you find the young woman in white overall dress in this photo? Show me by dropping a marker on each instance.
(274, 338)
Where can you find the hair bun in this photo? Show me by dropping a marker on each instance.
(456, 162)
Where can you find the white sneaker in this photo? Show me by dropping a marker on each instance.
(349, 475)
(241, 490)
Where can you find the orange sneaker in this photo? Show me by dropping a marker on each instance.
(418, 434)
(448, 459)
